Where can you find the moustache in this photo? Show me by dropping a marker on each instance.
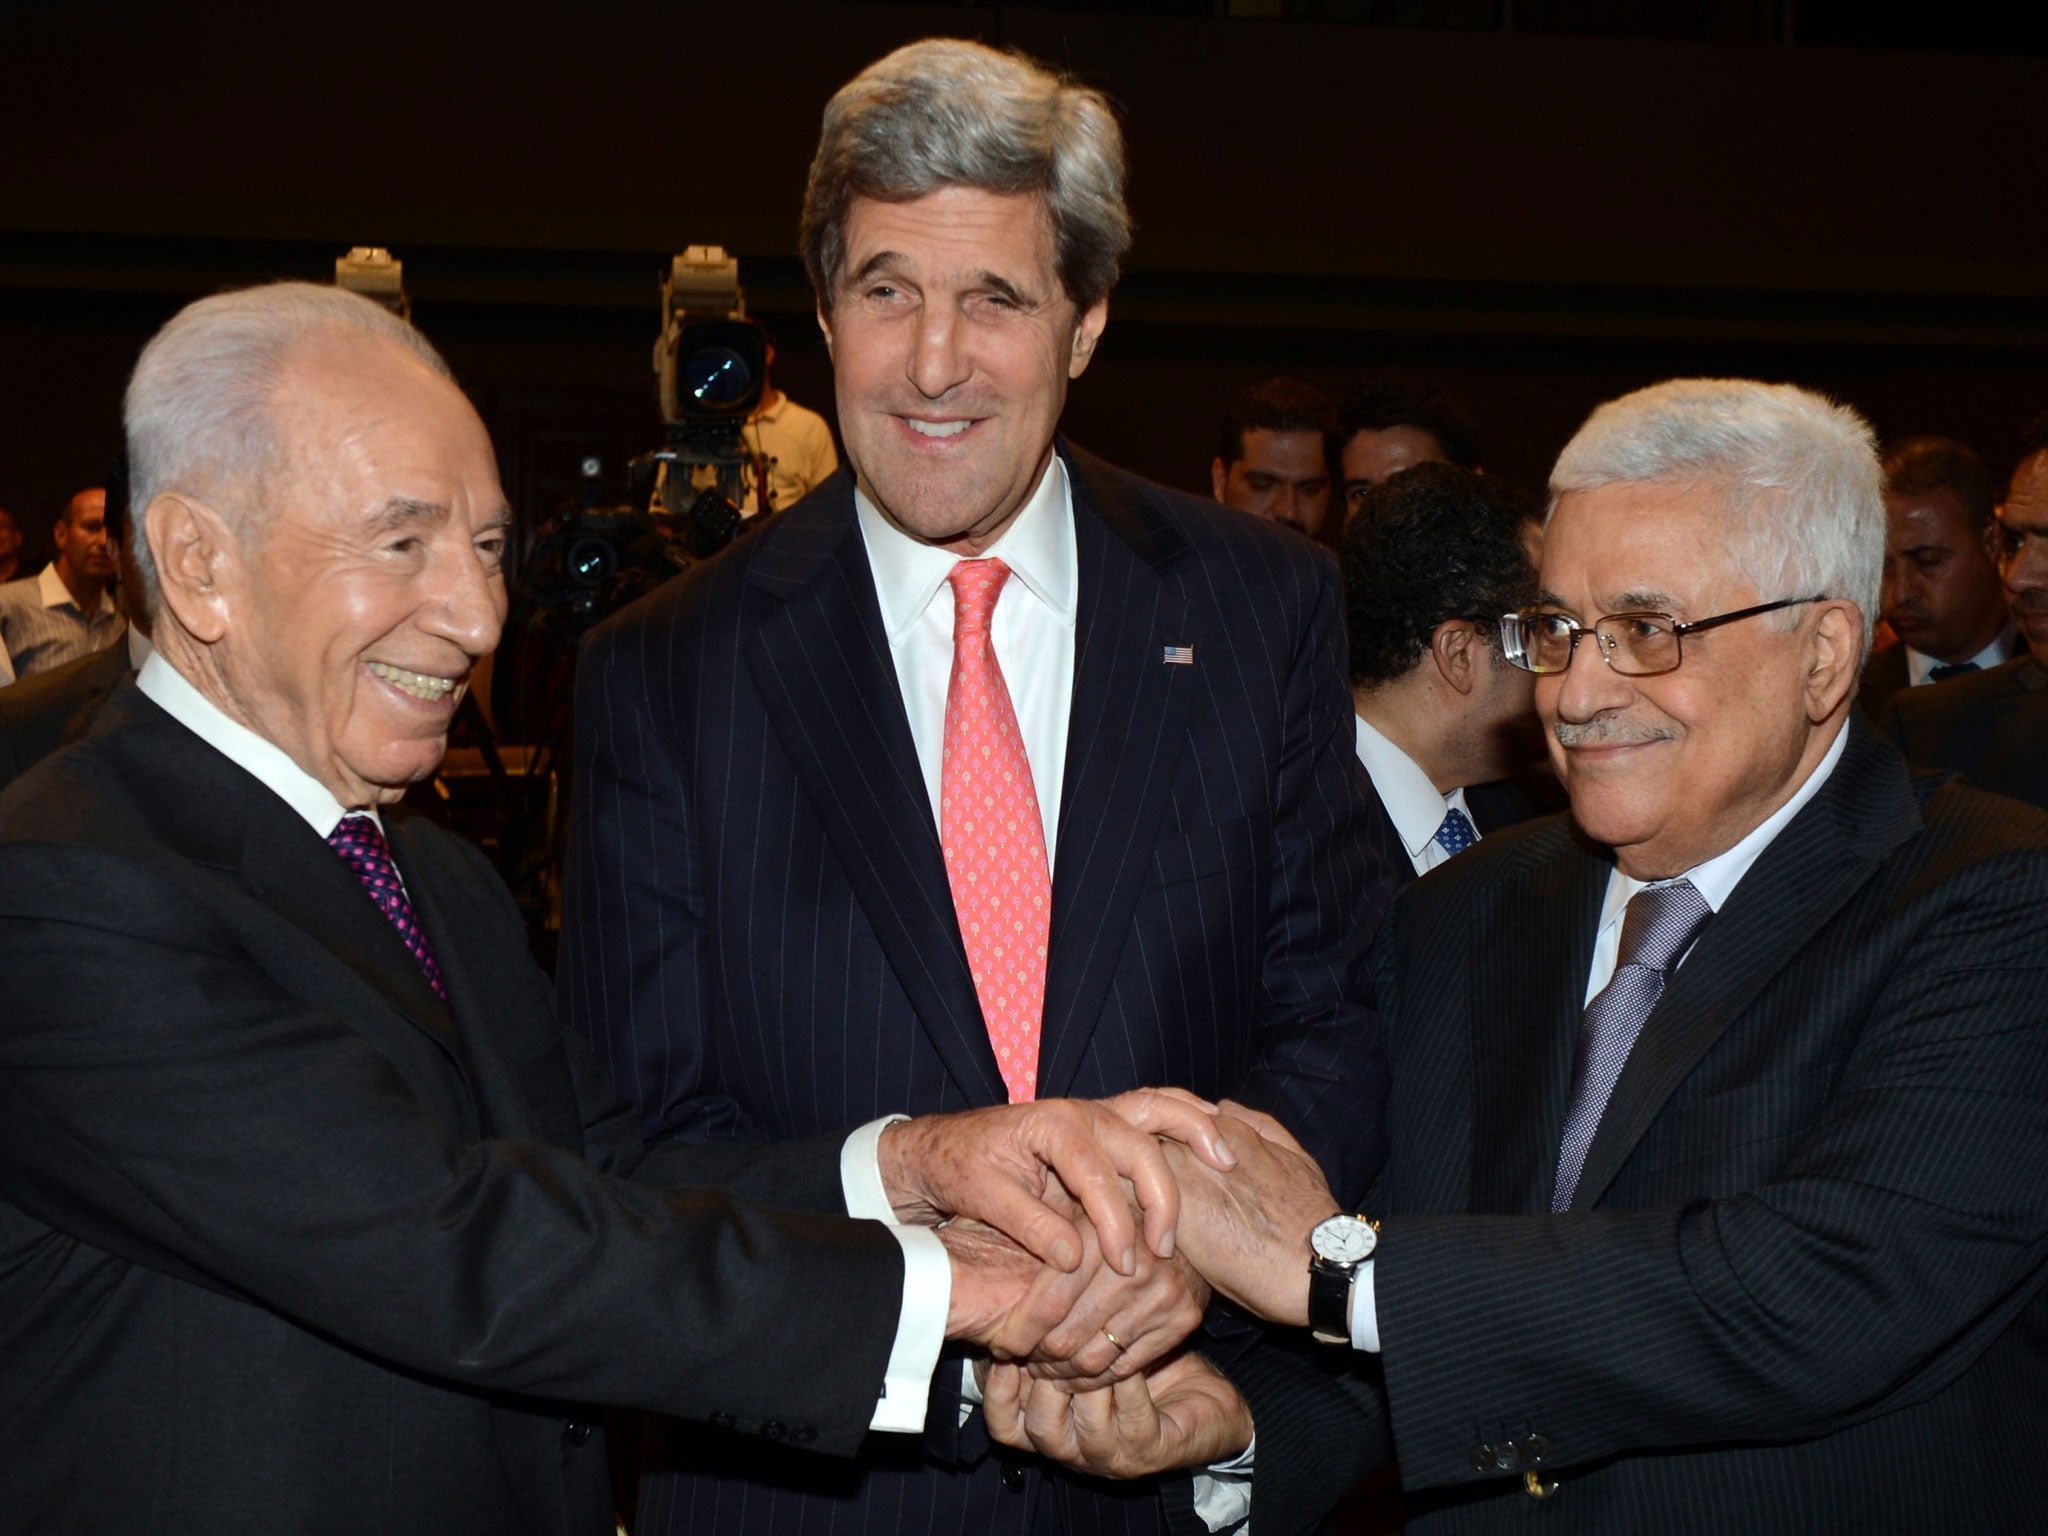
(2033, 602)
(1607, 731)
(1908, 615)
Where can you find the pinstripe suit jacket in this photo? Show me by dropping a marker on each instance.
(1989, 726)
(1801, 1286)
(760, 936)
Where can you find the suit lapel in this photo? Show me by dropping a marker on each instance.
(1796, 886)
(1526, 998)
(1127, 731)
(216, 813)
(828, 684)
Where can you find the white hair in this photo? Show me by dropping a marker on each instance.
(945, 112)
(199, 411)
(1799, 474)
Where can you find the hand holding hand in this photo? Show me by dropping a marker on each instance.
(995, 1165)
(1247, 1230)
(1184, 1413)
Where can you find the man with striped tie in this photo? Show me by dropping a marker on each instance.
(1718, 1190)
(312, 1217)
(987, 772)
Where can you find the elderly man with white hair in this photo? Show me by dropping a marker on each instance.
(1718, 1191)
(311, 1216)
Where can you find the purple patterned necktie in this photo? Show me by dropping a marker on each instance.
(360, 842)
(1657, 930)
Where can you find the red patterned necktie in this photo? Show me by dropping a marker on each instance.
(994, 842)
(360, 842)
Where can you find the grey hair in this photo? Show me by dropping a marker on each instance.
(1800, 475)
(198, 412)
(945, 112)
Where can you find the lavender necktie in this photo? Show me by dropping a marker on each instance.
(360, 842)
(1661, 923)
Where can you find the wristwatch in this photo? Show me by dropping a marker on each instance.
(1337, 1249)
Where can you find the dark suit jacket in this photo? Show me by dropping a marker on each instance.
(761, 938)
(1801, 1288)
(1885, 675)
(1990, 726)
(286, 1244)
(39, 714)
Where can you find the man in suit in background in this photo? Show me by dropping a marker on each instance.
(1431, 560)
(1941, 591)
(1718, 1189)
(312, 1218)
(984, 773)
(1392, 422)
(1273, 459)
(1992, 726)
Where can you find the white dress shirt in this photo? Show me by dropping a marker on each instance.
(1412, 803)
(1032, 631)
(927, 1272)
(1715, 880)
(1919, 664)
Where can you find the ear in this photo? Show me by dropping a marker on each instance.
(1458, 652)
(1087, 332)
(1993, 536)
(1834, 651)
(1218, 478)
(825, 325)
(192, 549)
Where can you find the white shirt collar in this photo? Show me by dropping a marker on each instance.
(1412, 803)
(2001, 650)
(1717, 878)
(1038, 547)
(50, 587)
(267, 762)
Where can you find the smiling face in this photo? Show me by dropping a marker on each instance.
(952, 344)
(354, 607)
(1672, 770)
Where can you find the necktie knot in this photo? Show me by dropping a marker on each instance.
(976, 586)
(1661, 923)
(1943, 670)
(1456, 834)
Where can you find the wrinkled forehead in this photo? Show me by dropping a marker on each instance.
(1641, 546)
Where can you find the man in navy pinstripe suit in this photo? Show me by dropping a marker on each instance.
(1717, 1197)
(770, 928)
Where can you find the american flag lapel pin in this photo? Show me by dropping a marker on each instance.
(1180, 656)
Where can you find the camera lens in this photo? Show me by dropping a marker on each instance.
(716, 375)
(590, 561)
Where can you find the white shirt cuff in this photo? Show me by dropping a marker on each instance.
(927, 1284)
(1223, 1491)
(1365, 1311)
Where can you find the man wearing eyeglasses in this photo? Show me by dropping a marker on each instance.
(1718, 1191)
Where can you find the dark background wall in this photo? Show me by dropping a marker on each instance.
(1537, 205)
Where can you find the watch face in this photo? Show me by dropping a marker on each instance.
(1343, 1240)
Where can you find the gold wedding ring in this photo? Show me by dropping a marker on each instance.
(1119, 1343)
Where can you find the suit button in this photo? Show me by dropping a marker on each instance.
(1507, 1457)
(774, 1430)
(1535, 1448)
(721, 1421)
(1013, 1477)
(1481, 1457)
(576, 1432)
(1537, 1486)
(803, 1434)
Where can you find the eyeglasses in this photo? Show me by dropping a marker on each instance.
(1634, 644)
